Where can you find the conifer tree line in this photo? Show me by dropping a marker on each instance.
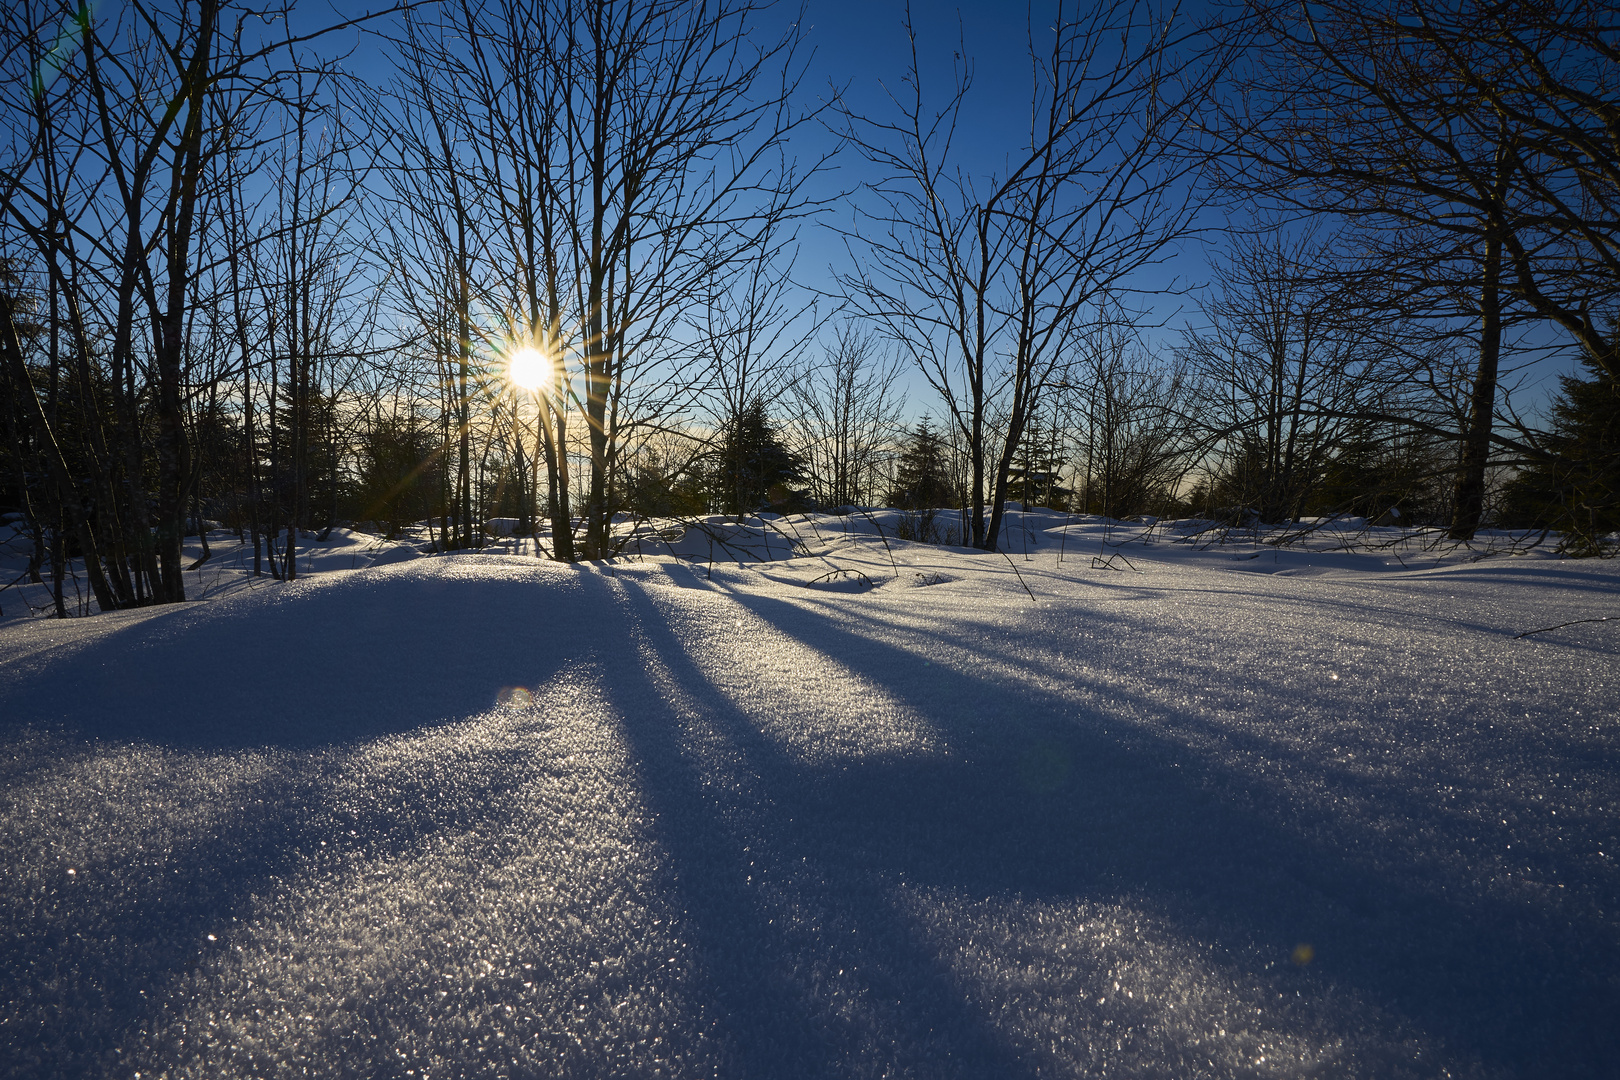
(245, 278)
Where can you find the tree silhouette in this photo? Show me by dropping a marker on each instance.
(923, 480)
(755, 468)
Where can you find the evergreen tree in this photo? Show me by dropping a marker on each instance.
(1578, 490)
(923, 480)
(1390, 476)
(399, 474)
(755, 469)
(651, 487)
(1034, 478)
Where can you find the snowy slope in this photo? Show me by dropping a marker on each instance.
(228, 567)
(878, 809)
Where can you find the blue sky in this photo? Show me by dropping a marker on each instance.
(859, 47)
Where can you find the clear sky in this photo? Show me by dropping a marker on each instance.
(859, 49)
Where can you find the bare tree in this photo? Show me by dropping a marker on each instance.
(1467, 142)
(523, 106)
(317, 290)
(1549, 72)
(846, 416)
(1287, 361)
(434, 232)
(132, 111)
(1133, 422)
(987, 281)
(676, 174)
(612, 166)
(110, 171)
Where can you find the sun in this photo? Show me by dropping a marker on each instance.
(527, 368)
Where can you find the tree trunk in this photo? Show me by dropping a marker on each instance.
(1469, 505)
(67, 494)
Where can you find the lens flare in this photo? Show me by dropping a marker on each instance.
(527, 368)
(514, 697)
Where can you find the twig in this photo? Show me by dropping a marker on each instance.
(1021, 581)
(796, 542)
(840, 570)
(811, 521)
(798, 537)
(735, 543)
(1560, 626)
(885, 539)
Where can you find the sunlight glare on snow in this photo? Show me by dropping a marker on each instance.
(1138, 991)
(815, 706)
(490, 849)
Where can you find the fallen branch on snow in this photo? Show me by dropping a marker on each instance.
(1560, 626)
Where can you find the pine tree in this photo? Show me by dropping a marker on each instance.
(399, 478)
(923, 479)
(755, 469)
(1034, 478)
(1578, 490)
(651, 487)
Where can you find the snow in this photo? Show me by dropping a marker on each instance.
(227, 569)
(870, 808)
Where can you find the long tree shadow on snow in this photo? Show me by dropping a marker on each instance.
(789, 883)
(812, 971)
(363, 656)
(92, 970)
(1510, 986)
(1362, 623)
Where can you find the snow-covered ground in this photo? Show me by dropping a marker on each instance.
(1163, 808)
